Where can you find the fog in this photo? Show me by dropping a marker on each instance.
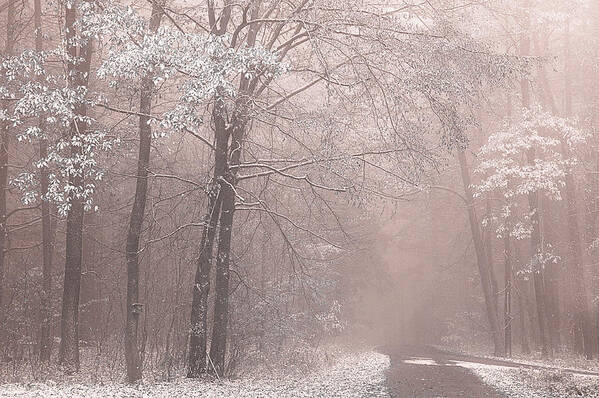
(300, 198)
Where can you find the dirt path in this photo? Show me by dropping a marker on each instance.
(424, 372)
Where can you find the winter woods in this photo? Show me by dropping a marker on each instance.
(190, 187)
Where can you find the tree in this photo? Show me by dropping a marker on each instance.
(542, 134)
(47, 234)
(134, 365)
(388, 99)
(78, 71)
(4, 145)
(481, 257)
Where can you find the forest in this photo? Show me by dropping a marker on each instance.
(299, 198)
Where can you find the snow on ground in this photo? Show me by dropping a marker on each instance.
(354, 375)
(565, 360)
(420, 361)
(534, 383)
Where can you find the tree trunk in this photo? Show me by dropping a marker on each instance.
(4, 145)
(591, 212)
(47, 253)
(507, 304)
(489, 232)
(47, 236)
(524, 345)
(481, 257)
(535, 238)
(582, 318)
(132, 352)
(201, 290)
(552, 274)
(582, 324)
(69, 325)
(514, 285)
(236, 127)
(552, 277)
(523, 303)
(218, 346)
(538, 273)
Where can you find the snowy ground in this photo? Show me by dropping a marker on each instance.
(355, 375)
(565, 360)
(566, 375)
(534, 383)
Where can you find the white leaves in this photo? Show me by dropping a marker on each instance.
(197, 64)
(115, 22)
(71, 163)
(506, 158)
(57, 106)
(206, 62)
(26, 182)
(529, 155)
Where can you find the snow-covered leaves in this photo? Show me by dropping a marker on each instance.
(527, 156)
(203, 64)
(531, 154)
(46, 109)
(197, 64)
(46, 101)
(63, 165)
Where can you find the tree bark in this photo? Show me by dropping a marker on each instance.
(488, 233)
(47, 254)
(552, 277)
(132, 352)
(218, 346)
(523, 304)
(514, 284)
(582, 312)
(551, 272)
(481, 257)
(582, 319)
(535, 238)
(199, 307)
(538, 273)
(524, 345)
(582, 325)
(237, 128)
(4, 145)
(78, 75)
(507, 304)
(591, 212)
(47, 235)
